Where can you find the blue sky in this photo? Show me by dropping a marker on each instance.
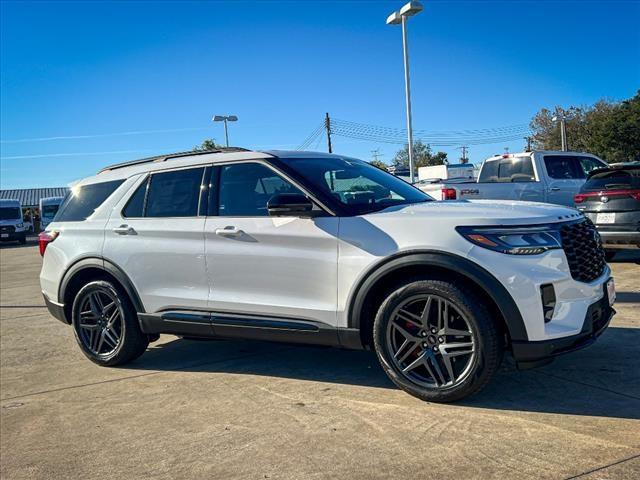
(73, 69)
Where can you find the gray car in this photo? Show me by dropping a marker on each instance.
(610, 198)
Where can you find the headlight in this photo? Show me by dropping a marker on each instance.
(513, 240)
(19, 225)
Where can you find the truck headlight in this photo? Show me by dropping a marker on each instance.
(19, 225)
(513, 240)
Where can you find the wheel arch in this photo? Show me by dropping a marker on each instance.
(378, 282)
(90, 268)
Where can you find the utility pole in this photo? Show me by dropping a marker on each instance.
(563, 133)
(528, 139)
(464, 158)
(327, 125)
(375, 154)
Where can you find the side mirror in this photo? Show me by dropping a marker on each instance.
(289, 205)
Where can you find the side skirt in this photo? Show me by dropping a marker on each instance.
(248, 327)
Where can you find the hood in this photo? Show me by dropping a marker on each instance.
(486, 212)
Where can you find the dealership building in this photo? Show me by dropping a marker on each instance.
(29, 198)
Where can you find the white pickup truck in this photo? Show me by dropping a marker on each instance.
(538, 176)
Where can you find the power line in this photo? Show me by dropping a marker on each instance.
(102, 135)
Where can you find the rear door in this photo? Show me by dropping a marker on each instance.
(281, 268)
(156, 236)
(565, 174)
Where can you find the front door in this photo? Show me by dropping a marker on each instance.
(156, 236)
(282, 268)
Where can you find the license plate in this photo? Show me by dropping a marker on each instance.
(4, 235)
(611, 291)
(606, 218)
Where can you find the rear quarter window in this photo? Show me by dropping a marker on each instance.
(81, 202)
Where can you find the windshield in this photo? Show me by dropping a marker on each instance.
(357, 185)
(49, 211)
(10, 213)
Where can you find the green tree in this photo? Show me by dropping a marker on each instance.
(207, 144)
(608, 129)
(423, 156)
(380, 164)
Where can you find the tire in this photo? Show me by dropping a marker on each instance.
(22, 240)
(106, 325)
(443, 362)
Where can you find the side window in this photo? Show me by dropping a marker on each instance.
(588, 164)
(563, 167)
(135, 205)
(81, 202)
(245, 189)
(174, 194)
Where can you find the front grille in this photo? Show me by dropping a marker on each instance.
(583, 248)
(7, 229)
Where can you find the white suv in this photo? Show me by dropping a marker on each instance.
(322, 249)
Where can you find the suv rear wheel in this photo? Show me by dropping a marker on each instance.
(436, 341)
(106, 326)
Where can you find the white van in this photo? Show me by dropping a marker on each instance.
(48, 208)
(11, 225)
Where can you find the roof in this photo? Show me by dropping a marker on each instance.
(30, 197)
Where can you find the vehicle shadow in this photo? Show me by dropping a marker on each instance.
(603, 380)
(627, 297)
(31, 242)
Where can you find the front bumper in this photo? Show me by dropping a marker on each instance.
(596, 321)
(12, 236)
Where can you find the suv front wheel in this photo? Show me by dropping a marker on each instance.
(436, 341)
(106, 326)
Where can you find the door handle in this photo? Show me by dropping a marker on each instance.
(554, 189)
(124, 230)
(228, 232)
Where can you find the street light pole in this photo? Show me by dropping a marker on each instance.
(407, 91)
(225, 119)
(563, 130)
(226, 133)
(400, 17)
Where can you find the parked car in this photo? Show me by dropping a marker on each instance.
(48, 208)
(611, 199)
(322, 249)
(539, 176)
(11, 225)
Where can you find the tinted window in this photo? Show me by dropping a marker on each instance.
(563, 167)
(628, 178)
(246, 188)
(174, 194)
(81, 202)
(357, 185)
(10, 213)
(49, 211)
(588, 164)
(135, 206)
(519, 169)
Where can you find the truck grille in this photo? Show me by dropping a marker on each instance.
(582, 246)
(7, 229)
